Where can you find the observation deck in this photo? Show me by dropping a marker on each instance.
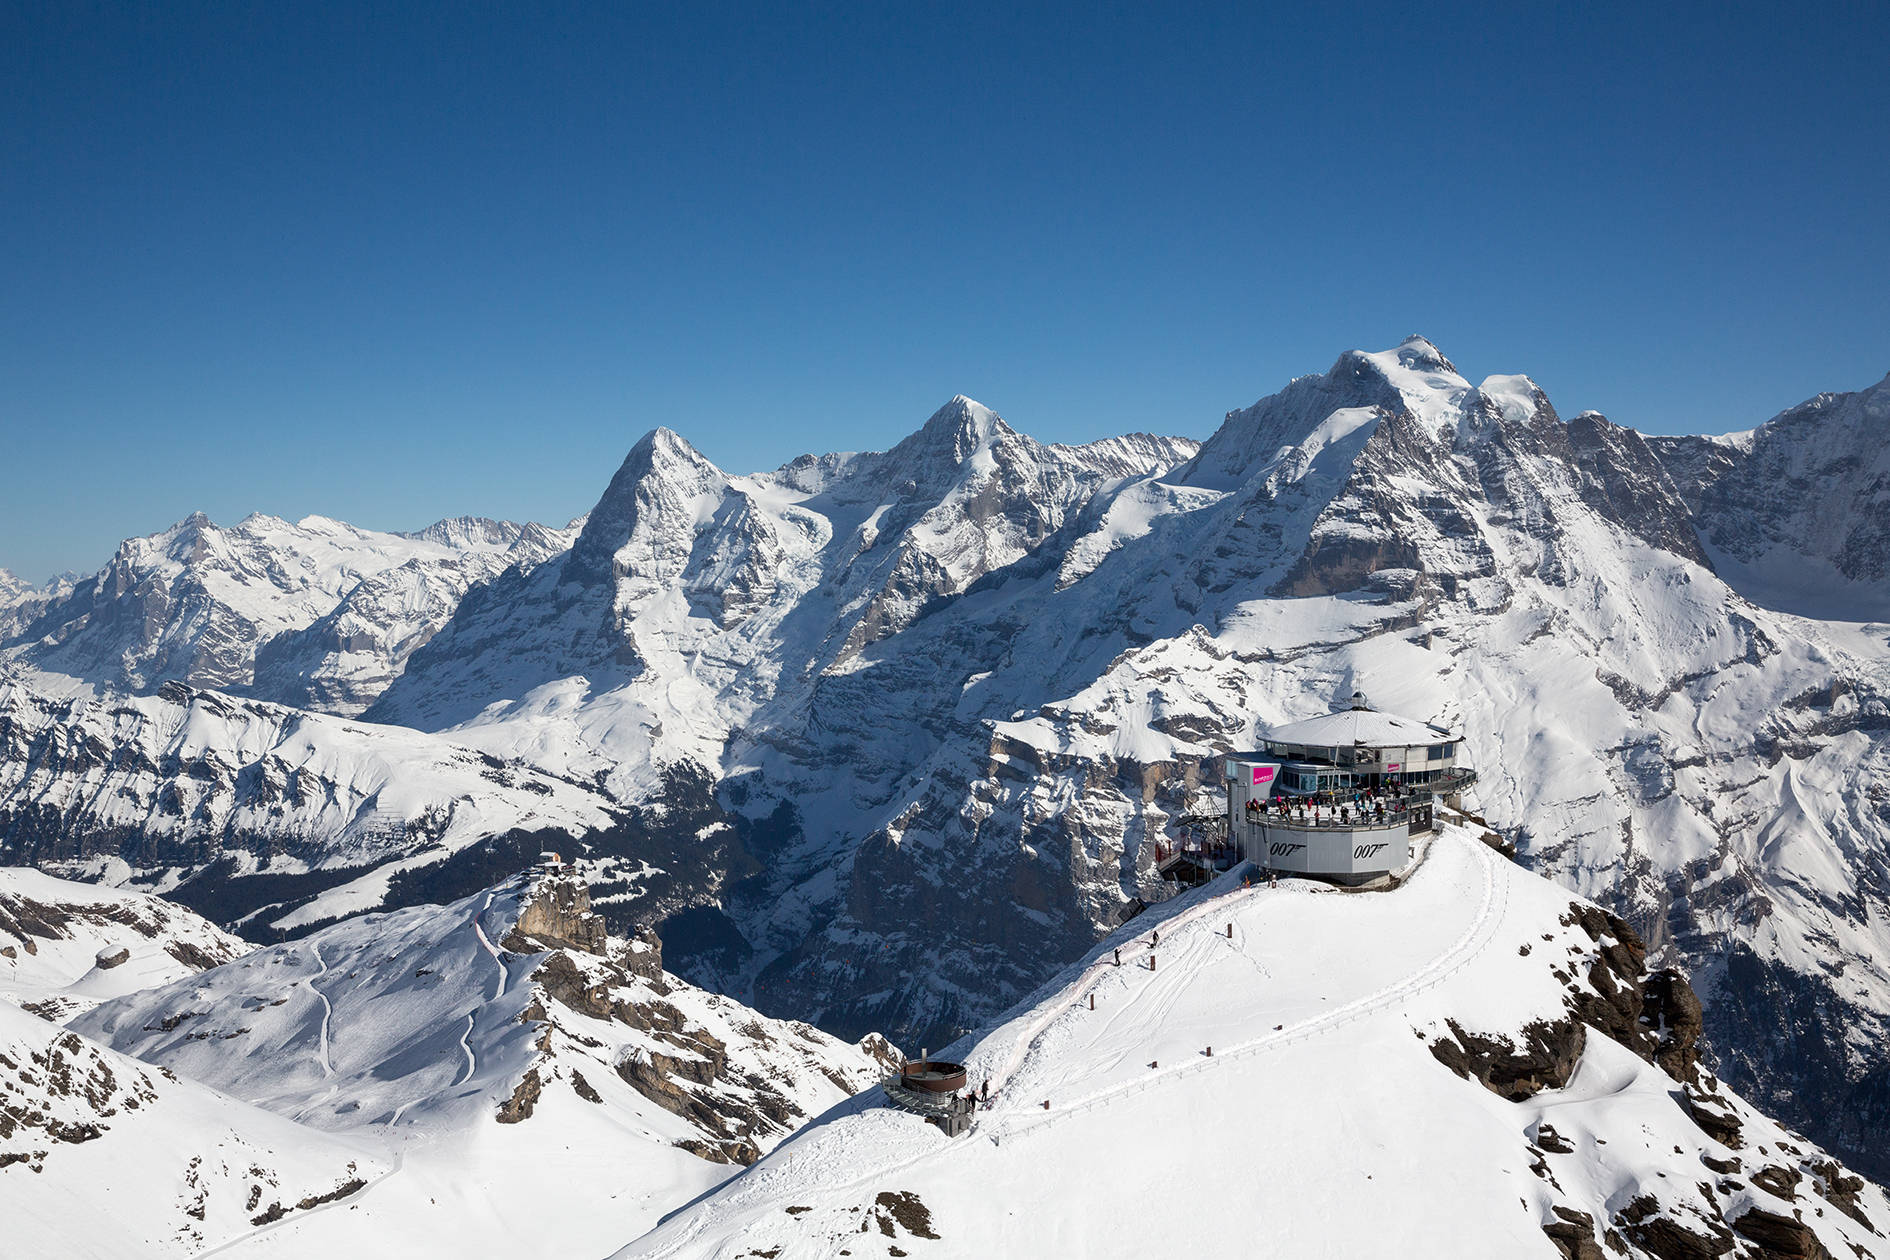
(1340, 796)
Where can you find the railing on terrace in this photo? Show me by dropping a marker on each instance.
(1327, 818)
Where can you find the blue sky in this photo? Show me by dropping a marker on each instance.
(391, 266)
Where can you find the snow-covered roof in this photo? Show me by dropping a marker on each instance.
(1349, 727)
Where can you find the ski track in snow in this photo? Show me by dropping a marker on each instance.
(465, 1043)
(1454, 958)
(485, 943)
(328, 1013)
(1083, 983)
(296, 1218)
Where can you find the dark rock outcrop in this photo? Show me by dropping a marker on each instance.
(1648, 1227)
(1780, 1237)
(1543, 1058)
(524, 1098)
(1573, 1234)
(557, 914)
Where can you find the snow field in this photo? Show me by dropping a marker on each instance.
(1322, 1126)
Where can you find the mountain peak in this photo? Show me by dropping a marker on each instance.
(1420, 354)
(967, 416)
(663, 471)
(954, 431)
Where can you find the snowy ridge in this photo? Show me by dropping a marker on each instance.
(307, 790)
(104, 1156)
(66, 946)
(1327, 1139)
(509, 1053)
(315, 613)
(693, 598)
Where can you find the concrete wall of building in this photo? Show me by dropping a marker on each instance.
(1339, 851)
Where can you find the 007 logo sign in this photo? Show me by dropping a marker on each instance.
(1364, 851)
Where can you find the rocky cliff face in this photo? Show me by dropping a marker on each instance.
(1798, 510)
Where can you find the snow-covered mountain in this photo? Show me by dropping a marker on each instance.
(693, 600)
(1470, 1065)
(104, 1157)
(67, 946)
(898, 729)
(538, 1085)
(315, 613)
(1796, 513)
(21, 601)
(315, 812)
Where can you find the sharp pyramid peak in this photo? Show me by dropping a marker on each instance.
(964, 414)
(663, 440)
(662, 450)
(954, 432)
(661, 468)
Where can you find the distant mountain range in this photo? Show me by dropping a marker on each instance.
(882, 740)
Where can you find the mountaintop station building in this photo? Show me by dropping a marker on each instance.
(1340, 796)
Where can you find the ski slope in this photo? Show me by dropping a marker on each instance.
(1321, 1125)
(533, 1094)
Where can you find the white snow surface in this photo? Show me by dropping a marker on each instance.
(60, 942)
(407, 1032)
(106, 1158)
(1320, 1126)
(1362, 727)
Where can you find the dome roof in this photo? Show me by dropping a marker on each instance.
(1358, 727)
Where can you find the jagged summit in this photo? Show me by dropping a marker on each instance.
(662, 476)
(1421, 353)
(951, 435)
(316, 613)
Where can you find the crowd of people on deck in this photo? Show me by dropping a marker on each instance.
(1361, 805)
